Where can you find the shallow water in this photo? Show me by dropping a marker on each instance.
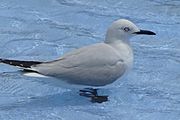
(45, 29)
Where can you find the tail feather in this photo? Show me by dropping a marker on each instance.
(19, 63)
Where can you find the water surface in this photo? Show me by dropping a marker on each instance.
(46, 29)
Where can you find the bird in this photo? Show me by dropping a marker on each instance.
(94, 65)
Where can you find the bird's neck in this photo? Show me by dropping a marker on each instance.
(120, 45)
(114, 41)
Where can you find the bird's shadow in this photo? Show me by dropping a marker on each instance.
(69, 98)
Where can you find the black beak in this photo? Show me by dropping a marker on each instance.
(145, 32)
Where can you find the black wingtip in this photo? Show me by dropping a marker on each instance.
(19, 63)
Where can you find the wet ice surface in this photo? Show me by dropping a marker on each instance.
(45, 29)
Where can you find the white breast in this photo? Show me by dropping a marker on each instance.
(125, 53)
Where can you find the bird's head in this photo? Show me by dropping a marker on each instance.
(123, 29)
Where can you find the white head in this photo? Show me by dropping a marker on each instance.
(123, 30)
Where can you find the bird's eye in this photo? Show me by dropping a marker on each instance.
(126, 29)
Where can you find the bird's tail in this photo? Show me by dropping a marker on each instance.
(19, 63)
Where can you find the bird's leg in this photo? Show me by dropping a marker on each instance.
(88, 91)
(92, 93)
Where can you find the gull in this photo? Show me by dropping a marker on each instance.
(94, 65)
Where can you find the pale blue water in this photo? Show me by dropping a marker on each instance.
(45, 29)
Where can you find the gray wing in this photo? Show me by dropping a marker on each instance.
(91, 63)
